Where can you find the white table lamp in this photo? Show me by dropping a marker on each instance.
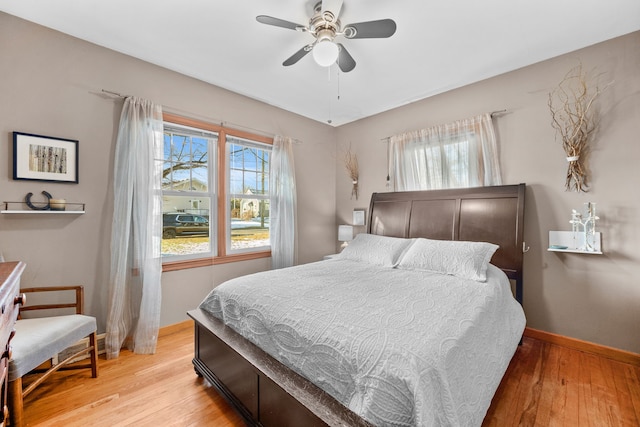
(345, 235)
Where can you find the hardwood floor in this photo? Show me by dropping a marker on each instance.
(550, 385)
(545, 385)
(133, 390)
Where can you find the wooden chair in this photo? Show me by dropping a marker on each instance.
(38, 340)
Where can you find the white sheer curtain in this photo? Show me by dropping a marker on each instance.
(136, 265)
(459, 154)
(282, 203)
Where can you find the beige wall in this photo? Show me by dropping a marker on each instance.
(50, 84)
(589, 297)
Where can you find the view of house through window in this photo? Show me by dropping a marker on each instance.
(187, 192)
(191, 193)
(248, 194)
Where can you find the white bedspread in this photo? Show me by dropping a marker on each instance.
(399, 348)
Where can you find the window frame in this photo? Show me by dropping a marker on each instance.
(222, 187)
(211, 185)
(250, 143)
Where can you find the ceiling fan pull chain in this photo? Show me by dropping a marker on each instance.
(338, 78)
(330, 98)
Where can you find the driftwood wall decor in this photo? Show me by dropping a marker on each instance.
(351, 163)
(574, 117)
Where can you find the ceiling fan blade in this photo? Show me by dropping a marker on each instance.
(380, 29)
(345, 60)
(333, 6)
(298, 55)
(277, 22)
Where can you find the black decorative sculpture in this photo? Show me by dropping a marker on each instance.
(46, 207)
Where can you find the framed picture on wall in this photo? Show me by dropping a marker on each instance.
(44, 158)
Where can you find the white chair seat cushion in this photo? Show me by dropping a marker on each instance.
(38, 340)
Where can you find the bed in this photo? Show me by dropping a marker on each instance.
(385, 340)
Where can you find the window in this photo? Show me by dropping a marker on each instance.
(449, 164)
(215, 194)
(248, 195)
(459, 154)
(188, 192)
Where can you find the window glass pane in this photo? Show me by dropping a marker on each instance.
(235, 181)
(262, 183)
(248, 176)
(249, 223)
(199, 163)
(186, 229)
(185, 225)
(248, 169)
(167, 175)
(186, 160)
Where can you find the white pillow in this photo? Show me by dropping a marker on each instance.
(374, 249)
(467, 260)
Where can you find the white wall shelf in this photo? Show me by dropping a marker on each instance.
(49, 212)
(568, 241)
(17, 208)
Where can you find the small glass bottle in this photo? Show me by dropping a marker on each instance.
(576, 222)
(590, 227)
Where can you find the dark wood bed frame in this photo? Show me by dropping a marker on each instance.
(267, 393)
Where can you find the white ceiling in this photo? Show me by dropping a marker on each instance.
(438, 45)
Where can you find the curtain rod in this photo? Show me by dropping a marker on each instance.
(222, 122)
(492, 114)
(112, 93)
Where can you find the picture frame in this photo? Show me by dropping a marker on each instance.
(44, 158)
(359, 216)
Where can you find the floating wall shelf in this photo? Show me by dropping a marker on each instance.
(17, 208)
(568, 241)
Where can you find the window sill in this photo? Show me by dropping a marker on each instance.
(205, 262)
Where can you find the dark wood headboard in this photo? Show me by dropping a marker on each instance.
(481, 214)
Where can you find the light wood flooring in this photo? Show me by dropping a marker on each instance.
(545, 385)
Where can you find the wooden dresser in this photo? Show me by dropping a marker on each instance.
(10, 300)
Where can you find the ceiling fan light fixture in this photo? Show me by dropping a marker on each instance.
(325, 53)
(325, 26)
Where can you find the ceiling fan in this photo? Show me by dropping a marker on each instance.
(325, 27)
